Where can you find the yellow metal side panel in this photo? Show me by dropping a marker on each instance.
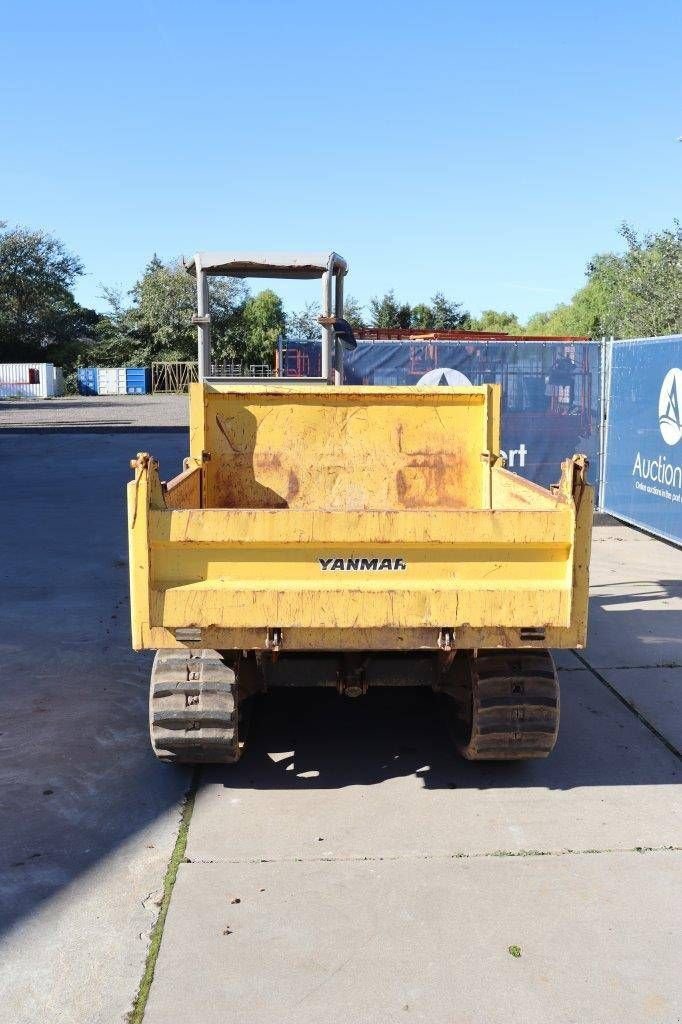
(184, 490)
(242, 569)
(243, 527)
(197, 406)
(581, 563)
(138, 557)
(573, 487)
(216, 603)
(510, 491)
(361, 639)
(343, 448)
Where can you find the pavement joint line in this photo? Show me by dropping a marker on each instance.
(136, 1014)
(630, 706)
(460, 855)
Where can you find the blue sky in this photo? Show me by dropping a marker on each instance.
(484, 150)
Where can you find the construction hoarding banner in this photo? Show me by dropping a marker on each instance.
(550, 390)
(642, 465)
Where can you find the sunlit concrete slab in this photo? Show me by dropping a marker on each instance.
(424, 940)
(326, 776)
(656, 694)
(635, 615)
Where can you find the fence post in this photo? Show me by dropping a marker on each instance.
(605, 393)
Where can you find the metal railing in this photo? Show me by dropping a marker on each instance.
(173, 378)
(242, 370)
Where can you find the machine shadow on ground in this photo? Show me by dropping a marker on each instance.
(315, 739)
(641, 618)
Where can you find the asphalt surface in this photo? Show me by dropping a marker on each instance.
(350, 868)
(88, 819)
(95, 413)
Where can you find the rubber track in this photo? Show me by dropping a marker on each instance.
(193, 708)
(514, 706)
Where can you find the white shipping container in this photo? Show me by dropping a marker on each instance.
(112, 381)
(30, 380)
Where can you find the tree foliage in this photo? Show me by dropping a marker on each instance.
(387, 311)
(641, 290)
(352, 312)
(158, 322)
(304, 324)
(441, 315)
(496, 320)
(637, 293)
(448, 315)
(422, 317)
(264, 321)
(38, 313)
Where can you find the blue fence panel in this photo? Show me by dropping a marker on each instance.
(87, 379)
(550, 390)
(643, 448)
(299, 357)
(138, 380)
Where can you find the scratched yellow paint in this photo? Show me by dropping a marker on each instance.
(299, 485)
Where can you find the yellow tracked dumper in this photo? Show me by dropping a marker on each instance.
(329, 535)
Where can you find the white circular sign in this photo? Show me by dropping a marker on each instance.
(670, 406)
(444, 377)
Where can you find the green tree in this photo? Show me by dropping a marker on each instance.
(586, 314)
(637, 293)
(387, 312)
(643, 286)
(352, 312)
(39, 316)
(164, 301)
(158, 323)
(264, 321)
(494, 320)
(304, 323)
(448, 315)
(422, 317)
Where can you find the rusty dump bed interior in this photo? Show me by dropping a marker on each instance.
(281, 478)
(351, 449)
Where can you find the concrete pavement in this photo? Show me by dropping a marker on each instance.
(88, 821)
(350, 868)
(377, 941)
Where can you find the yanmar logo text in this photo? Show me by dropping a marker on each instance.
(362, 564)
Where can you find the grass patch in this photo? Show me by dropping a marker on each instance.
(136, 1015)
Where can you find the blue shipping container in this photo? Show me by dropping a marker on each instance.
(88, 380)
(138, 380)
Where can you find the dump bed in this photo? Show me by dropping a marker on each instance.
(309, 517)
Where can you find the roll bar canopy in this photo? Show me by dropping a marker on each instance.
(300, 266)
(328, 266)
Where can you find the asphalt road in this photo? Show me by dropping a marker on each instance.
(351, 868)
(96, 413)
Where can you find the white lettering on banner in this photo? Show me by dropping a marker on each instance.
(658, 471)
(521, 451)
